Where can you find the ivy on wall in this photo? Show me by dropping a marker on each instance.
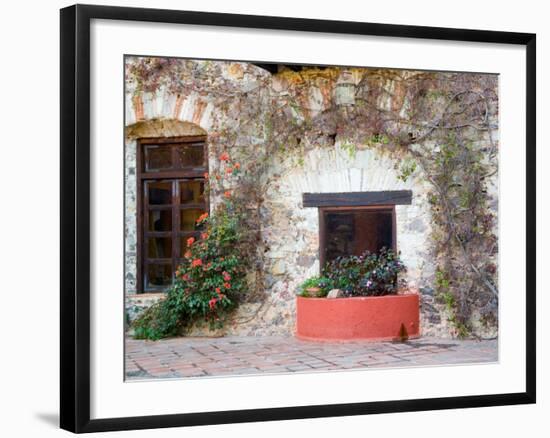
(439, 127)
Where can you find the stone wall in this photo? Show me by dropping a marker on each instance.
(226, 96)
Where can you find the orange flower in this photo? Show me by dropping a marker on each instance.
(229, 170)
(202, 217)
(190, 241)
(204, 235)
(218, 290)
(218, 176)
(205, 175)
(187, 254)
(237, 166)
(196, 262)
(224, 156)
(227, 285)
(227, 194)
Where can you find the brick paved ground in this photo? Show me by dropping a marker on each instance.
(196, 357)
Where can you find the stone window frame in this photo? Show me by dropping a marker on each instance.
(190, 173)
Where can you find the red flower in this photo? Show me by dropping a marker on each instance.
(202, 217)
(190, 241)
(227, 194)
(218, 290)
(185, 277)
(229, 170)
(224, 156)
(205, 175)
(187, 254)
(196, 262)
(204, 235)
(212, 303)
(237, 166)
(227, 285)
(226, 276)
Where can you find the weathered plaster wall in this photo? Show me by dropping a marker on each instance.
(227, 94)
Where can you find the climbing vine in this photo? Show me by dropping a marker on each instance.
(439, 127)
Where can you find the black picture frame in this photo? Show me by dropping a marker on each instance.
(75, 217)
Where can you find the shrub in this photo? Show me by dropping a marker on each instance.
(210, 282)
(323, 283)
(370, 274)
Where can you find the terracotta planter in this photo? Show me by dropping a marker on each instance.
(387, 318)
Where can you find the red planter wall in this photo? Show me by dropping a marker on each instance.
(391, 317)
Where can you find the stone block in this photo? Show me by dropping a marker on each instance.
(335, 293)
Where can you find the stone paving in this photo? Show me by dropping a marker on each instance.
(225, 356)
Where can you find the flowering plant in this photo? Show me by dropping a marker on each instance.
(210, 282)
(370, 274)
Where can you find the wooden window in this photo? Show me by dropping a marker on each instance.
(352, 223)
(353, 230)
(170, 177)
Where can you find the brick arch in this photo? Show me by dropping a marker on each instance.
(166, 105)
(163, 128)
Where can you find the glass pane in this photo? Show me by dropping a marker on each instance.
(188, 219)
(160, 193)
(158, 158)
(158, 275)
(190, 155)
(353, 232)
(160, 220)
(159, 247)
(339, 234)
(192, 192)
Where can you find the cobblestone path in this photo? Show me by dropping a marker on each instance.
(197, 357)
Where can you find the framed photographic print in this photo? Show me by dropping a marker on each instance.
(268, 218)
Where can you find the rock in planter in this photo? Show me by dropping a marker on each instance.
(335, 293)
